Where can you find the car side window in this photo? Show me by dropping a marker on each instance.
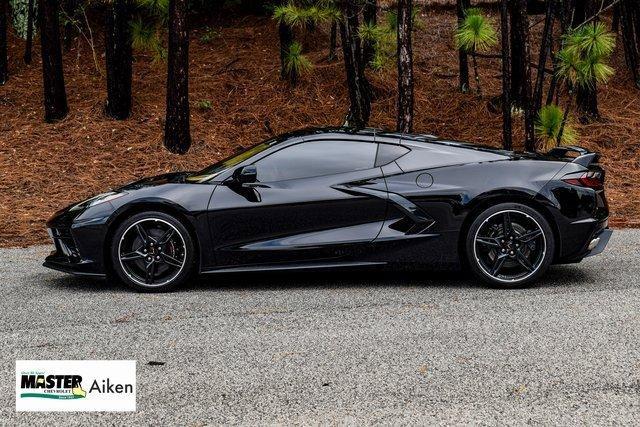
(387, 153)
(316, 158)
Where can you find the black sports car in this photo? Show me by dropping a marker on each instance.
(322, 198)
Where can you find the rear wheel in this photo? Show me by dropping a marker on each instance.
(510, 245)
(152, 252)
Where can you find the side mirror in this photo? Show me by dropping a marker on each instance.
(246, 174)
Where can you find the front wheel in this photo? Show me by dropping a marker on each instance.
(510, 245)
(152, 252)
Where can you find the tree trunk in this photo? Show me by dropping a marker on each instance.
(565, 117)
(70, 7)
(405, 67)
(564, 12)
(634, 7)
(629, 37)
(55, 96)
(521, 65)
(507, 139)
(463, 58)
(476, 74)
(310, 27)
(553, 86)
(369, 16)
(286, 38)
(118, 58)
(586, 97)
(567, 12)
(177, 137)
(517, 54)
(545, 50)
(587, 100)
(615, 20)
(359, 91)
(4, 62)
(635, 12)
(29, 45)
(333, 41)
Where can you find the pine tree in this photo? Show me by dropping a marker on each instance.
(70, 9)
(520, 54)
(629, 12)
(405, 67)
(475, 34)
(359, 91)
(296, 63)
(285, 35)
(4, 64)
(586, 96)
(29, 43)
(582, 62)
(177, 136)
(552, 129)
(55, 96)
(118, 59)
(461, 7)
(370, 18)
(521, 69)
(333, 41)
(545, 51)
(507, 134)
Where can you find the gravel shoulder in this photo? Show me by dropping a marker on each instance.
(342, 348)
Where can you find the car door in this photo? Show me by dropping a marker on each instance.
(315, 200)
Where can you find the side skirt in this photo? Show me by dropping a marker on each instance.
(283, 267)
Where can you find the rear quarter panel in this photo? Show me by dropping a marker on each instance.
(578, 212)
(458, 191)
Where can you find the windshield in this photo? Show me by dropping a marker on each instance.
(216, 169)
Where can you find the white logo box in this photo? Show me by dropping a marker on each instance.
(75, 385)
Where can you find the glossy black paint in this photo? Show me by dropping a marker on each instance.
(409, 202)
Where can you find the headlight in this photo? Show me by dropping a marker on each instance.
(96, 200)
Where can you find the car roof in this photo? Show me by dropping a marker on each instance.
(381, 135)
(371, 134)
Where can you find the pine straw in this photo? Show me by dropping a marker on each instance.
(44, 167)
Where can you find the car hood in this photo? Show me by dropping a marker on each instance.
(154, 181)
(75, 210)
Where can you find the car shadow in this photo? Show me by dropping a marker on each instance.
(330, 279)
(280, 280)
(79, 284)
(565, 276)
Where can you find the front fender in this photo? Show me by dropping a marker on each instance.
(187, 202)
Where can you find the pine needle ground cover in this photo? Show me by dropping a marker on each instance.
(236, 76)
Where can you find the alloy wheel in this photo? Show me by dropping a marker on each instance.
(510, 246)
(152, 252)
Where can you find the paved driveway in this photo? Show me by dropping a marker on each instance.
(340, 348)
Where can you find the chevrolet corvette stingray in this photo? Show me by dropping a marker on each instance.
(341, 198)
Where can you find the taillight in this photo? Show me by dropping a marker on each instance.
(590, 179)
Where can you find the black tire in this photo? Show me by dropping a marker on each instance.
(162, 262)
(516, 259)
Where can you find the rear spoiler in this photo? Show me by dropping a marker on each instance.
(583, 156)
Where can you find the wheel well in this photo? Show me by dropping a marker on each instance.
(129, 211)
(507, 198)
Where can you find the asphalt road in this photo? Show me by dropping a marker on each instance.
(336, 348)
